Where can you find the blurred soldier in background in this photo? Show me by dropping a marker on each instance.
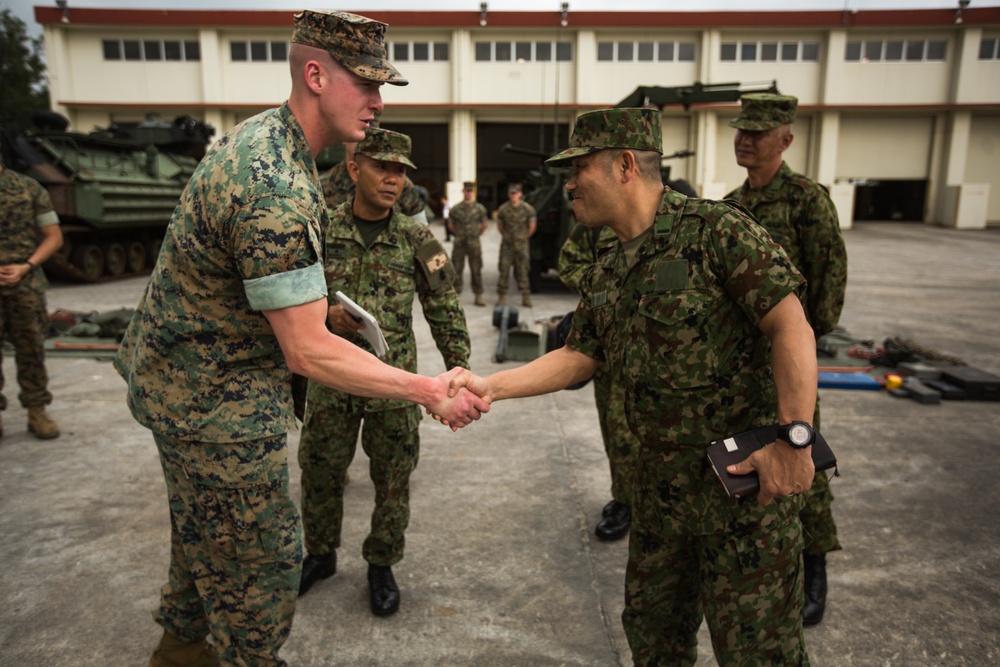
(467, 221)
(798, 214)
(516, 220)
(29, 235)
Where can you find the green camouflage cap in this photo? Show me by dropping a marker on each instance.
(385, 145)
(762, 111)
(638, 129)
(356, 42)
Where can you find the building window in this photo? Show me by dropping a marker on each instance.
(988, 48)
(645, 52)
(421, 51)
(258, 51)
(769, 52)
(150, 50)
(503, 52)
(896, 50)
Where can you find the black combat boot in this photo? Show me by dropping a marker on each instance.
(383, 591)
(616, 521)
(315, 568)
(815, 574)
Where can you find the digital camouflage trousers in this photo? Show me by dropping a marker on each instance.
(24, 322)
(329, 441)
(236, 547)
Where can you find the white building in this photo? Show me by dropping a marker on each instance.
(899, 111)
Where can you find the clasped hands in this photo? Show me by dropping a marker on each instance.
(468, 398)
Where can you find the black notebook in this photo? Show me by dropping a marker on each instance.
(726, 452)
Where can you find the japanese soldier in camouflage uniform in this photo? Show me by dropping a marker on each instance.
(237, 301)
(380, 258)
(798, 214)
(26, 215)
(338, 188)
(467, 220)
(516, 220)
(582, 248)
(697, 312)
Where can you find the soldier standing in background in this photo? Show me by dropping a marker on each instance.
(369, 244)
(581, 250)
(696, 310)
(516, 220)
(798, 213)
(235, 304)
(467, 221)
(26, 215)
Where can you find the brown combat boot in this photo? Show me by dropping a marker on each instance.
(40, 424)
(501, 299)
(526, 299)
(480, 301)
(174, 652)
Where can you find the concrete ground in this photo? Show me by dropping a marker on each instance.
(502, 568)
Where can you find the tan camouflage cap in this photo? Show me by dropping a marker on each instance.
(385, 145)
(515, 187)
(356, 42)
(468, 185)
(762, 111)
(638, 129)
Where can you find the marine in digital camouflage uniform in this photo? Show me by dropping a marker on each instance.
(516, 220)
(467, 221)
(798, 213)
(381, 259)
(338, 188)
(685, 309)
(582, 249)
(236, 301)
(25, 213)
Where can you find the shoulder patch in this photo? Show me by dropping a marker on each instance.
(435, 265)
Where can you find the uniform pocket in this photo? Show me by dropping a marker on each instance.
(240, 499)
(676, 332)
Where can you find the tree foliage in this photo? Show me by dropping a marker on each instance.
(22, 74)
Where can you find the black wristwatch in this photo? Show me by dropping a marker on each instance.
(797, 434)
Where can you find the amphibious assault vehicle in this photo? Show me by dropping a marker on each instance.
(114, 189)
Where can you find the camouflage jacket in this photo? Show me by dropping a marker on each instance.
(200, 359)
(582, 248)
(405, 260)
(516, 220)
(798, 214)
(23, 201)
(338, 188)
(681, 329)
(467, 218)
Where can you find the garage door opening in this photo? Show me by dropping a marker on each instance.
(896, 200)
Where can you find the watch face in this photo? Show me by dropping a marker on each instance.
(798, 434)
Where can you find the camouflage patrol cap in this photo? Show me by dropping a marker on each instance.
(514, 187)
(468, 185)
(763, 111)
(638, 129)
(385, 145)
(356, 42)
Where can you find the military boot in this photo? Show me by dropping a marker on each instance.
(526, 299)
(174, 652)
(480, 301)
(40, 424)
(815, 575)
(501, 299)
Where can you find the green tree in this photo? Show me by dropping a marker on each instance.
(22, 74)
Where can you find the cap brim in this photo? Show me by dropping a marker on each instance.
(754, 125)
(372, 69)
(571, 153)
